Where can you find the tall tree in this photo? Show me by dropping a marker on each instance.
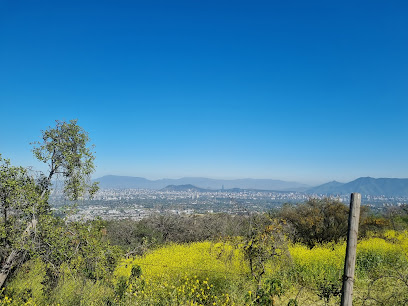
(66, 150)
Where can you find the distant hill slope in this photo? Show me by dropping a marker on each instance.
(326, 188)
(122, 182)
(365, 186)
(187, 187)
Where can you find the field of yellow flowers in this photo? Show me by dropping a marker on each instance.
(208, 273)
(217, 273)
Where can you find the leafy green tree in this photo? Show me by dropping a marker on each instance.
(65, 150)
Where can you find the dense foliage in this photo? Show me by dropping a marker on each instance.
(204, 273)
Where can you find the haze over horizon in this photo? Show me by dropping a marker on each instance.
(299, 91)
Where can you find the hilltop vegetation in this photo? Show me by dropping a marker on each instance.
(291, 256)
(174, 261)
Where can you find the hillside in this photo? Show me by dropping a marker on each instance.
(187, 187)
(366, 186)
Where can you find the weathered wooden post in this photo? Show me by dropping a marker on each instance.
(350, 261)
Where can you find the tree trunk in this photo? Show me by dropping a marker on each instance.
(15, 255)
(7, 266)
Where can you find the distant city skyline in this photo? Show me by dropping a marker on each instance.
(300, 91)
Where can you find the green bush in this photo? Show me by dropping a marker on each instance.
(27, 286)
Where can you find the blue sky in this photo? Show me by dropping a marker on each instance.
(307, 91)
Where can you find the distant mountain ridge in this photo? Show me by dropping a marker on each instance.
(390, 187)
(124, 182)
(365, 185)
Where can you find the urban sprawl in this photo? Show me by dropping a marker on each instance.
(139, 203)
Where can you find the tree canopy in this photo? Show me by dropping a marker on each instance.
(24, 197)
(66, 151)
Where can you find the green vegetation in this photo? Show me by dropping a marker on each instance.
(293, 256)
(219, 272)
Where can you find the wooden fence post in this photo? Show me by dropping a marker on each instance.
(350, 261)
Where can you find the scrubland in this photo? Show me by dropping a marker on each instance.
(248, 260)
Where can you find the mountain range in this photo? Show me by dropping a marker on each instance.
(123, 182)
(364, 185)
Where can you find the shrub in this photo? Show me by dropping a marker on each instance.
(28, 284)
(316, 221)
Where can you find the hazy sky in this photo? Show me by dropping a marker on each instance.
(307, 91)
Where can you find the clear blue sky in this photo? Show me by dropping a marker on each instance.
(308, 91)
